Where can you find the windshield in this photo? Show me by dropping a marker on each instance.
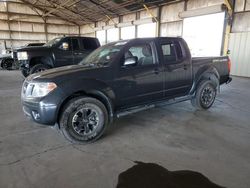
(103, 55)
(53, 42)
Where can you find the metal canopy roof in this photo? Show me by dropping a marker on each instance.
(88, 11)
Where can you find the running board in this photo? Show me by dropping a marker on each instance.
(134, 110)
(149, 106)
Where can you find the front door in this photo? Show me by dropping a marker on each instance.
(63, 57)
(143, 81)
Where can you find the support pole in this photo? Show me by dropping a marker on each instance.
(228, 27)
(46, 29)
(8, 22)
(155, 19)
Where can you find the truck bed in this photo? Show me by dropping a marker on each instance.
(220, 63)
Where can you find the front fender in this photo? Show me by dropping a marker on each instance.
(92, 88)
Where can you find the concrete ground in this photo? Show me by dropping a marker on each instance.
(215, 143)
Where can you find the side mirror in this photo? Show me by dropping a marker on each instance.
(228, 52)
(130, 61)
(65, 46)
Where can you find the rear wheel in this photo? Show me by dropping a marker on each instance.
(83, 120)
(38, 68)
(205, 95)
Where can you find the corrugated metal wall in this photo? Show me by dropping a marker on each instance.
(239, 45)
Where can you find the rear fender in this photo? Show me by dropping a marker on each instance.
(206, 73)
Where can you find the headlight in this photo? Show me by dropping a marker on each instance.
(36, 89)
(22, 56)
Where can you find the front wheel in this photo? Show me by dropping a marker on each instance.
(83, 120)
(25, 72)
(7, 64)
(205, 95)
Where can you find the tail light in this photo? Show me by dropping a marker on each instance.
(229, 64)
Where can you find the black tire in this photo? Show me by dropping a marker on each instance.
(205, 95)
(7, 64)
(38, 68)
(78, 129)
(25, 72)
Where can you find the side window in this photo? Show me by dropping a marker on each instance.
(142, 54)
(75, 44)
(66, 42)
(89, 44)
(168, 51)
(178, 50)
(172, 52)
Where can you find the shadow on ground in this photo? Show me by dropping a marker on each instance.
(150, 175)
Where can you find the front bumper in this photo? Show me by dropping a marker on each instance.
(41, 113)
(24, 64)
(43, 110)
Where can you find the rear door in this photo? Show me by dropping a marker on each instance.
(82, 47)
(178, 69)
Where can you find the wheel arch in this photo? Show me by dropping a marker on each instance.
(209, 73)
(99, 95)
(41, 59)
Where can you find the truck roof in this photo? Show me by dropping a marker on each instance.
(75, 36)
(145, 39)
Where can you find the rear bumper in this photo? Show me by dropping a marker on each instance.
(225, 79)
(229, 80)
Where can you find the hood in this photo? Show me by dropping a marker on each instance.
(65, 73)
(5, 55)
(33, 48)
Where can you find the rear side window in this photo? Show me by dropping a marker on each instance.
(172, 52)
(75, 44)
(178, 50)
(169, 54)
(89, 44)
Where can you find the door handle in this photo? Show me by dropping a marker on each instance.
(156, 71)
(185, 67)
(78, 53)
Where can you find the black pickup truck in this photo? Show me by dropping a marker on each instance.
(56, 53)
(118, 79)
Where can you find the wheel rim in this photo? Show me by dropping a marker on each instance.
(85, 121)
(5, 66)
(207, 96)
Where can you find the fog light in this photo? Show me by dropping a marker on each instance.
(36, 115)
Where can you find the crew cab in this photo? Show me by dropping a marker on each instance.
(58, 52)
(118, 79)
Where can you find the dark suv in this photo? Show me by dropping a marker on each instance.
(56, 53)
